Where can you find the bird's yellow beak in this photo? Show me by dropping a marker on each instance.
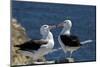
(61, 25)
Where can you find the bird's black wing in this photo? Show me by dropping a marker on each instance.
(31, 45)
(75, 41)
(70, 40)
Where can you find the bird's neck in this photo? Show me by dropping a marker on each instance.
(65, 31)
(48, 36)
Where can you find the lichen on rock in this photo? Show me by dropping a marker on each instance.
(18, 36)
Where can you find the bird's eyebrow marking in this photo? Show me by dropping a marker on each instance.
(64, 21)
(45, 26)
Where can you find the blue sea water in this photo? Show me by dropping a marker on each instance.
(32, 15)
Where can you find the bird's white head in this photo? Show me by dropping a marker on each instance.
(67, 24)
(45, 30)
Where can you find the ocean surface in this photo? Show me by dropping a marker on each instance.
(32, 15)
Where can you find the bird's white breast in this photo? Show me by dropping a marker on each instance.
(50, 40)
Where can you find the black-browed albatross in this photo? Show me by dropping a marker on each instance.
(38, 48)
(67, 41)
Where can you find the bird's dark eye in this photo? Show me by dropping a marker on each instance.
(45, 26)
(64, 22)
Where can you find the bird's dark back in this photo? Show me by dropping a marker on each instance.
(30, 45)
(70, 40)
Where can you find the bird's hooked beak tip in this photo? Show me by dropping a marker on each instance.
(52, 27)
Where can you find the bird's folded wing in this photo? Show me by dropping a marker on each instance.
(40, 41)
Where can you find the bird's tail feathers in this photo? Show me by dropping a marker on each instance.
(85, 43)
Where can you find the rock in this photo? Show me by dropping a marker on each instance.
(70, 60)
(61, 61)
(64, 60)
(19, 36)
